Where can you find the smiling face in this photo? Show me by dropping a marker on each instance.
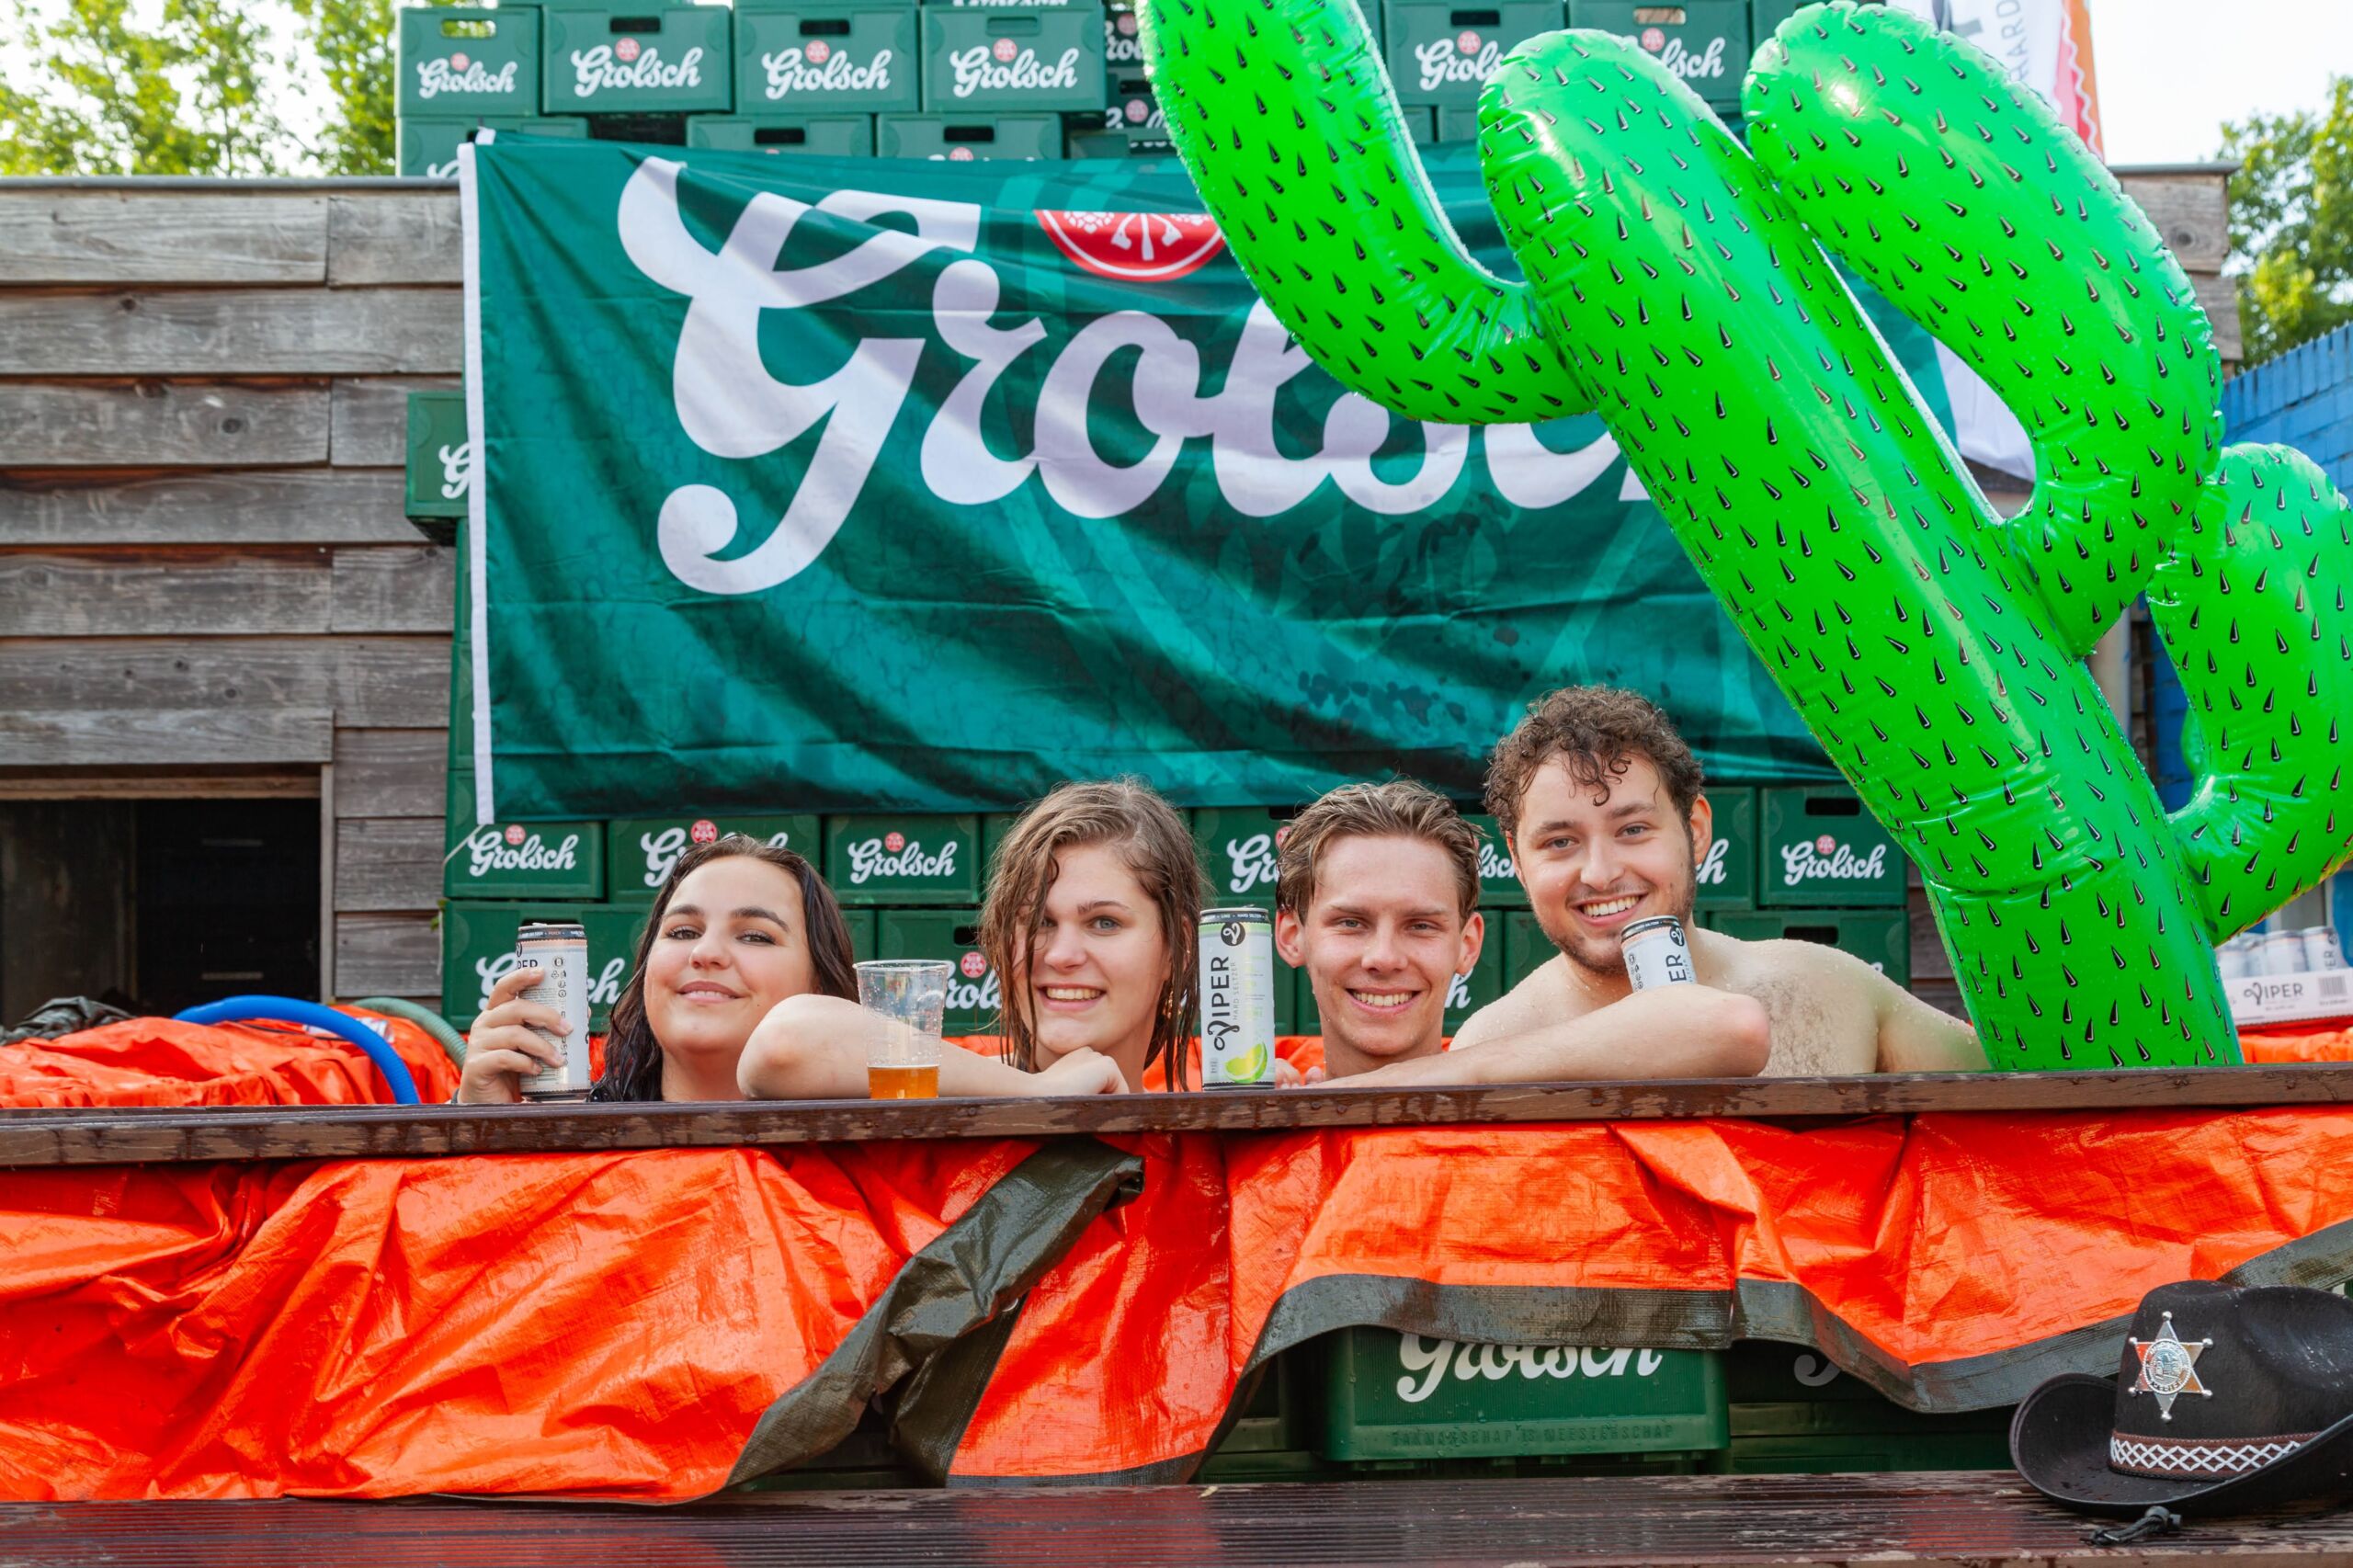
(733, 943)
(1099, 960)
(1595, 861)
(1381, 940)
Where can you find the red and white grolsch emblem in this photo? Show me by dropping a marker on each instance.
(1005, 49)
(1653, 39)
(973, 965)
(1825, 844)
(626, 51)
(894, 842)
(458, 62)
(514, 833)
(704, 831)
(818, 51)
(959, 155)
(1467, 42)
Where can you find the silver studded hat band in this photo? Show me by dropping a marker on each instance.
(2198, 1459)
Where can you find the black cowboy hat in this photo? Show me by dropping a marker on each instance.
(2226, 1400)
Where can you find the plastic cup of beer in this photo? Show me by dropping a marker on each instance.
(904, 1063)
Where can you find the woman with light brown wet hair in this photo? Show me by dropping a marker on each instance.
(1093, 906)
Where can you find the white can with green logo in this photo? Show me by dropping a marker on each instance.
(1237, 998)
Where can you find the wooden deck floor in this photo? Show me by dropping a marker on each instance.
(1979, 1518)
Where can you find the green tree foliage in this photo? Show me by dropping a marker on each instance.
(198, 87)
(2291, 223)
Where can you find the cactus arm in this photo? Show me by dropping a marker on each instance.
(1963, 200)
(1283, 112)
(2250, 599)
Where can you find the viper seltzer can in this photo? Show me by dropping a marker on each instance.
(559, 950)
(1656, 953)
(1237, 998)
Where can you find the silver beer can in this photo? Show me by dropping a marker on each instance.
(2282, 952)
(1656, 953)
(559, 950)
(2231, 958)
(2322, 952)
(1237, 998)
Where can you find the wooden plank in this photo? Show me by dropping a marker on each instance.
(175, 593)
(2219, 298)
(380, 682)
(1987, 1519)
(302, 505)
(166, 1134)
(407, 588)
(388, 955)
(2192, 213)
(89, 236)
(369, 422)
(377, 238)
(161, 423)
(391, 773)
(232, 332)
(115, 737)
(387, 863)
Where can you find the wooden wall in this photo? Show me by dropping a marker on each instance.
(206, 579)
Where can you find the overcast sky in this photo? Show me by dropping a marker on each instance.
(2172, 71)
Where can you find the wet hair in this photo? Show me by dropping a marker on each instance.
(633, 1056)
(1154, 844)
(1399, 809)
(1597, 731)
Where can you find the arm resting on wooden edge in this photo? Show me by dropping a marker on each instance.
(1678, 1031)
(815, 1047)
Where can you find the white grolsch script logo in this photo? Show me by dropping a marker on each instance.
(1804, 862)
(459, 75)
(820, 68)
(1683, 62)
(1494, 866)
(1443, 60)
(1428, 1362)
(981, 995)
(1252, 860)
(1458, 993)
(487, 851)
(603, 992)
(457, 469)
(595, 70)
(662, 850)
(869, 859)
(730, 405)
(1716, 867)
(979, 71)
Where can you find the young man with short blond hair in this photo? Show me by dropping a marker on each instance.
(1377, 898)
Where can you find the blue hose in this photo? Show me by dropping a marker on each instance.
(287, 1009)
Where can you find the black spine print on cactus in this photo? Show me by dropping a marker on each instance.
(1680, 286)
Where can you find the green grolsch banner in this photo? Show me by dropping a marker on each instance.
(830, 485)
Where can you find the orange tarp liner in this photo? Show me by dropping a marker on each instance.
(165, 1062)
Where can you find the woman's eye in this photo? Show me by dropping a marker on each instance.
(1106, 923)
(681, 933)
(758, 937)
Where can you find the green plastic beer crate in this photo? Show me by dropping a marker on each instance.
(904, 859)
(639, 60)
(1122, 40)
(639, 851)
(1881, 938)
(1439, 55)
(441, 459)
(1727, 874)
(1822, 849)
(995, 826)
(1402, 1396)
(478, 950)
(960, 139)
(820, 135)
(1030, 60)
(429, 148)
(524, 860)
(1237, 846)
(1526, 947)
(1765, 16)
(829, 57)
(1134, 113)
(460, 62)
(1483, 984)
(1498, 878)
(1703, 41)
(1790, 1390)
(1456, 124)
(865, 930)
(953, 935)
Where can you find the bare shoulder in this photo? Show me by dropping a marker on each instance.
(1540, 999)
(1824, 1004)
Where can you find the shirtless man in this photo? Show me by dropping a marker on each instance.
(1600, 804)
(1377, 893)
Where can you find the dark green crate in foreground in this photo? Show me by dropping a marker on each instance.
(960, 137)
(952, 934)
(886, 857)
(1881, 938)
(1727, 875)
(524, 860)
(1822, 849)
(1498, 877)
(639, 851)
(1393, 1396)
(478, 950)
(820, 135)
(441, 459)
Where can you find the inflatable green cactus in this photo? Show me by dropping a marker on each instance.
(1679, 286)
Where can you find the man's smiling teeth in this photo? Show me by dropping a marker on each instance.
(1383, 998)
(1609, 906)
(1071, 994)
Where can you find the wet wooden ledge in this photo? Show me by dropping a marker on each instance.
(144, 1135)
